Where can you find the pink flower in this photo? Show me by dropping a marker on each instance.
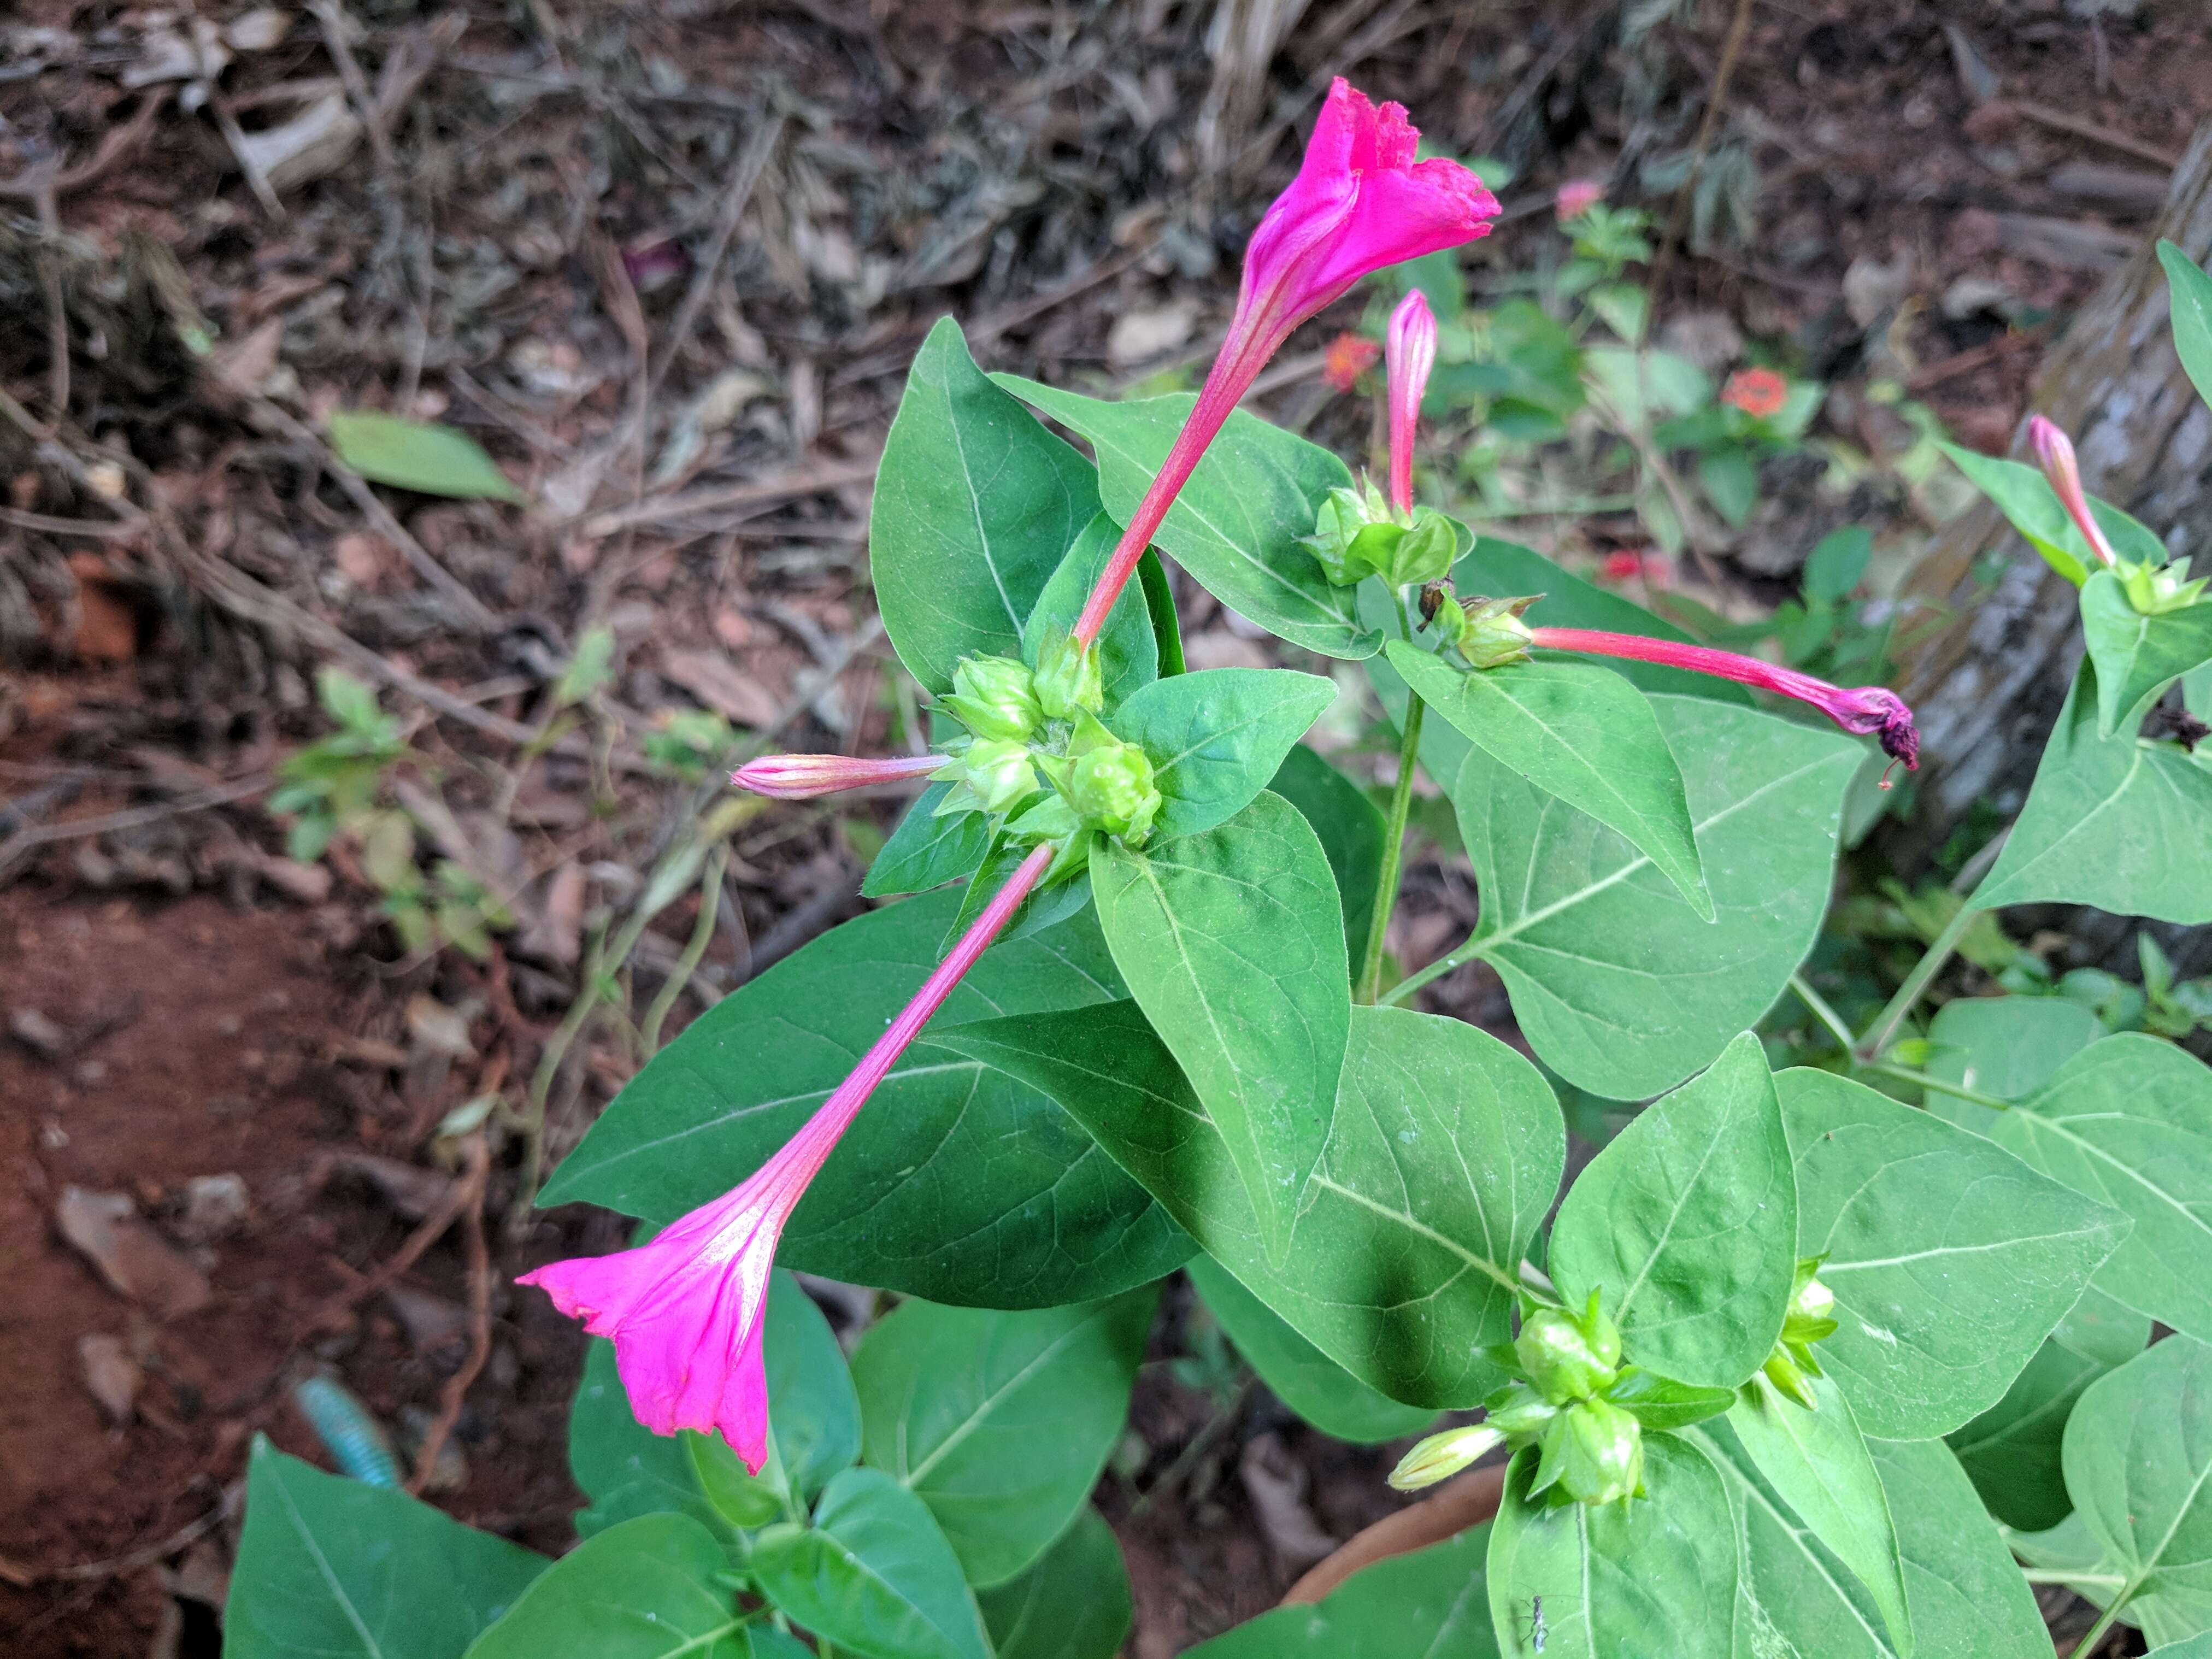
(1575, 197)
(684, 1309)
(1348, 358)
(1626, 565)
(2055, 451)
(1867, 709)
(1410, 344)
(1758, 393)
(1360, 202)
(802, 777)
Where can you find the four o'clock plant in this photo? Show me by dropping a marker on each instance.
(1779, 1359)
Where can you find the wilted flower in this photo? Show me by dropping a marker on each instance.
(1347, 358)
(802, 777)
(1758, 393)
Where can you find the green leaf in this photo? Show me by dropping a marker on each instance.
(1730, 480)
(329, 1565)
(2115, 822)
(1160, 604)
(1580, 734)
(2137, 657)
(1582, 928)
(1236, 524)
(646, 1589)
(2008, 1047)
(958, 1182)
(1073, 1603)
(1216, 737)
(926, 851)
(1838, 563)
(2191, 1647)
(975, 505)
(2138, 1459)
(2128, 1123)
(2010, 1452)
(625, 1469)
(1659, 1402)
(1656, 1575)
(1950, 1260)
(872, 1574)
(1128, 655)
(1429, 1602)
(2191, 291)
(2102, 1328)
(1001, 1422)
(1351, 829)
(419, 455)
(1445, 1154)
(1303, 1377)
(1818, 1461)
(1231, 944)
(1687, 1223)
(2025, 496)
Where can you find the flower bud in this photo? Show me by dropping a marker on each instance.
(1109, 782)
(1495, 635)
(999, 771)
(1519, 1411)
(1353, 533)
(2154, 590)
(1813, 1299)
(1782, 1370)
(1425, 553)
(1567, 1356)
(1443, 1455)
(1599, 1452)
(1069, 678)
(993, 697)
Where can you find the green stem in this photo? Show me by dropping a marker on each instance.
(1884, 1029)
(2088, 1645)
(1436, 970)
(1821, 1012)
(1393, 853)
(702, 934)
(1906, 1074)
(2091, 1580)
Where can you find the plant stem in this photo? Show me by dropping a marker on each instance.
(1394, 852)
(702, 934)
(2088, 1645)
(1821, 1012)
(1436, 970)
(1906, 1074)
(2057, 1576)
(1885, 1026)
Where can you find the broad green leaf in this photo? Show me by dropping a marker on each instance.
(1231, 942)
(1618, 985)
(2137, 657)
(1950, 1260)
(1074, 1601)
(926, 851)
(1656, 1575)
(1302, 1376)
(1660, 1402)
(2128, 1123)
(999, 1422)
(1351, 829)
(975, 505)
(1428, 1604)
(646, 1589)
(332, 1566)
(2138, 1459)
(1216, 737)
(2025, 496)
(1838, 564)
(1236, 524)
(1160, 604)
(2103, 1328)
(1818, 1464)
(2010, 1452)
(813, 1416)
(424, 456)
(1577, 732)
(1445, 1154)
(626, 1470)
(873, 1575)
(2118, 822)
(1730, 480)
(2007, 1046)
(2191, 291)
(1968, 1598)
(958, 1182)
(2191, 1647)
(1128, 655)
(1687, 1223)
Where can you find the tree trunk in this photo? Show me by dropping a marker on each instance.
(1987, 688)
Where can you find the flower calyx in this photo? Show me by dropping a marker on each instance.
(1070, 679)
(1490, 634)
(1107, 784)
(990, 774)
(1358, 534)
(1810, 1320)
(994, 697)
(1567, 1355)
(2154, 590)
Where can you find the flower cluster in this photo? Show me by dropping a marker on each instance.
(1810, 1320)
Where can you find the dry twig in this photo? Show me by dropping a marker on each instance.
(457, 1386)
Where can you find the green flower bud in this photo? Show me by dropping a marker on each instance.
(1443, 1455)
(1425, 553)
(1599, 1452)
(1109, 782)
(1441, 612)
(1495, 635)
(1000, 773)
(993, 697)
(1519, 1411)
(1069, 680)
(1782, 1370)
(1567, 1356)
(2154, 590)
(1352, 532)
(1809, 1319)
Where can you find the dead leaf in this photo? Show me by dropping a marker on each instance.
(413, 1192)
(312, 144)
(39, 1033)
(555, 932)
(165, 54)
(244, 364)
(106, 1229)
(431, 1321)
(711, 678)
(1139, 335)
(440, 1029)
(1276, 1482)
(111, 1377)
(257, 30)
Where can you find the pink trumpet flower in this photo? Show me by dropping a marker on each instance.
(802, 777)
(684, 1309)
(1360, 202)
(2054, 450)
(1410, 346)
(1869, 709)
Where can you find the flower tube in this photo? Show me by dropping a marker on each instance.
(684, 1309)
(1410, 345)
(802, 777)
(1360, 202)
(2054, 450)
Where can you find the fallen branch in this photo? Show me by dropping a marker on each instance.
(1467, 1501)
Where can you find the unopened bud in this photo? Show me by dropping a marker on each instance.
(1109, 782)
(1443, 1455)
(1600, 1452)
(993, 697)
(1520, 1410)
(1000, 772)
(2154, 590)
(802, 777)
(1495, 635)
(1813, 1300)
(1782, 1370)
(1567, 1356)
(1353, 533)
(1425, 553)
(1069, 678)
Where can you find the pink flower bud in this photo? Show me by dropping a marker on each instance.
(1410, 345)
(2054, 451)
(1575, 197)
(802, 777)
